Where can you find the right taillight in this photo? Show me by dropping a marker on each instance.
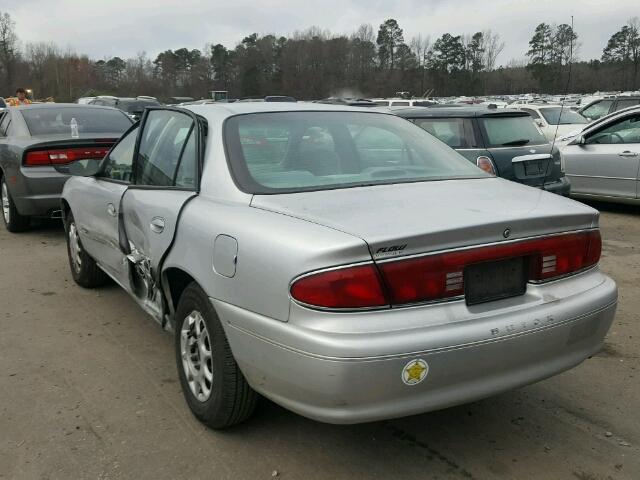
(440, 276)
(486, 164)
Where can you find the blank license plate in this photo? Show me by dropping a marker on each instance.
(535, 168)
(485, 282)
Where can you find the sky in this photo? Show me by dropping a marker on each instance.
(106, 28)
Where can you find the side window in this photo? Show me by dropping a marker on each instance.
(186, 172)
(626, 130)
(165, 153)
(626, 103)
(597, 110)
(4, 124)
(120, 160)
(451, 131)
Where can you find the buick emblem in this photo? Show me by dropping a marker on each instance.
(506, 233)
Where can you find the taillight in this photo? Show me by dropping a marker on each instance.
(36, 158)
(486, 164)
(351, 287)
(440, 276)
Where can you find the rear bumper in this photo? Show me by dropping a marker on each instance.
(36, 191)
(355, 377)
(562, 186)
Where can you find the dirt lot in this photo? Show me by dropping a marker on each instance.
(88, 389)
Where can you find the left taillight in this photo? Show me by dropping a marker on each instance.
(358, 286)
(62, 156)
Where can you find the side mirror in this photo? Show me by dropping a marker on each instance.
(539, 123)
(80, 168)
(579, 140)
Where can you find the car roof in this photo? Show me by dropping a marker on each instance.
(223, 110)
(466, 112)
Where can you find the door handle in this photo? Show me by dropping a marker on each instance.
(628, 153)
(157, 224)
(111, 210)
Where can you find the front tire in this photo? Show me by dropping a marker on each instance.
(84, 269)
(12, 219)
(213, 385)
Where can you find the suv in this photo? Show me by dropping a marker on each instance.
(603, 106)
(133, 106)
(504, 142)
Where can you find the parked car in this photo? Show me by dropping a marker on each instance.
(131, 106)
(503, 142)
(341, 262)
(403, 102)
(349, 102)
(603, 106)
(269, 98)
(555, 120)
(603, 160)
(34, 138)
(84, 100)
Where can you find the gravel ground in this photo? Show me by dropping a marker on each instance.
(88, 389)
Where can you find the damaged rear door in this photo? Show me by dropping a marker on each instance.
(166, 175)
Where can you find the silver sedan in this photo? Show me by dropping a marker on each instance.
(603, 160)
(339, 261)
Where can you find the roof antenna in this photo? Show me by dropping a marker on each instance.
(564, 97)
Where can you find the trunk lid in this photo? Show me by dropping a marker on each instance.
(412, 218)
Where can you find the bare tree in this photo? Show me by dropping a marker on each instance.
(420, 46)
(493, 47)
(8, 46)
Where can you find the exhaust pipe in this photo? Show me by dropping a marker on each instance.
(56, 214)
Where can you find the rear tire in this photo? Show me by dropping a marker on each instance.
(84, 269)
(213, 385)
(12, 219)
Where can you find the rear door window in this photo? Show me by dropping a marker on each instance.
(120, 160)
(627, 103)
(165, 157)
(597, 110)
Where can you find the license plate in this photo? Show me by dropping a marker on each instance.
(485, 282)
(535, 168)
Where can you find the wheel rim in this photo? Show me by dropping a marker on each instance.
(6, 212)
(74, 247)
(195, 350)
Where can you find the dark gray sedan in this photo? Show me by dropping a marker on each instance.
(35, 138)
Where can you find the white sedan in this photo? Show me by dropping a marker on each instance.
(555, 121)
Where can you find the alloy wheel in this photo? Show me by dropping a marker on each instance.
(74, 247)
(6, 211)
(195, 350)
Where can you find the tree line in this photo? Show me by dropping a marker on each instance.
(316, 63)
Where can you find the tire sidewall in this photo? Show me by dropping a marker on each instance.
(17, 222)
(193, 298)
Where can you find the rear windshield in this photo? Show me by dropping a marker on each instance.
(48, 121)
(511, 131)
(552, 115)
(297, 151)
